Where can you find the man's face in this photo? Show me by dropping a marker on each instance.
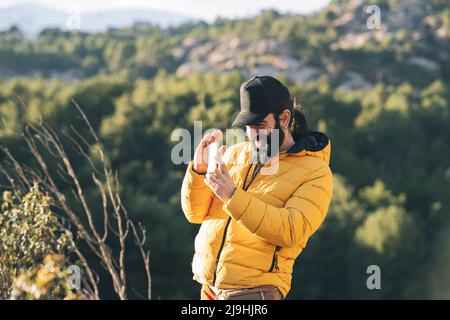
(262, 134)
(258, 133)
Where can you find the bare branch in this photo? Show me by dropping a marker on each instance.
(41, 139)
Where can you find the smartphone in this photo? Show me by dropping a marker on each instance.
(213, 149)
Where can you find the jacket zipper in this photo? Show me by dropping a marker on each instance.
(255, 172)
(275, 260)
(220, 250)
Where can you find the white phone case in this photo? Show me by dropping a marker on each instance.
(213, 148)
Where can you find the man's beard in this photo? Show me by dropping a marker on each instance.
(268, 150)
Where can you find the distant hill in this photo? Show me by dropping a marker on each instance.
(32, 18)
(411, 45)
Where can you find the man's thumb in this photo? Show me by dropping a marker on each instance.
(222, 151)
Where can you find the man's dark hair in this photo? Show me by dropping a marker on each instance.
(297, 124)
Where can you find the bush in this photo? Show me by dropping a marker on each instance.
(33, 249)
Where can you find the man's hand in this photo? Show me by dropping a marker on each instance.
(220, 180)
(201, 153)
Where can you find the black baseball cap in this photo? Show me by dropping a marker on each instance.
(259, 97)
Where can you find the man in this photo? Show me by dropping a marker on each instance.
(254, 225)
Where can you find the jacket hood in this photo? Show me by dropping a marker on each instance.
(315, 144)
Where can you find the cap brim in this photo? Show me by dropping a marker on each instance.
(247, 119)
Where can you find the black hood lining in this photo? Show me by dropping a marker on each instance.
(314, 141)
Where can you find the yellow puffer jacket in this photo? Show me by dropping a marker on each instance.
(254, 238)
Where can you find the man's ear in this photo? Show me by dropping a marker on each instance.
(285, 116)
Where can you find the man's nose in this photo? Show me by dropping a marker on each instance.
(252, 131)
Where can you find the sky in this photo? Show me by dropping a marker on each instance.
(202, 9)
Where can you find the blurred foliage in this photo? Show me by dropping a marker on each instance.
(47, 281)
(33, 249)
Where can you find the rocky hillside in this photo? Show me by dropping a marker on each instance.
(413, 35)
(266, 56)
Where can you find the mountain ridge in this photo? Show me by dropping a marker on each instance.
(32, 18)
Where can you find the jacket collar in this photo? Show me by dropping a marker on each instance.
(314, 141)
(314, 144)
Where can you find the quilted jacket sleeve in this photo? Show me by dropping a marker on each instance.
(196, 196)
(288, 226)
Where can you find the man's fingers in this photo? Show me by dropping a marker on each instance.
(217, 135)
(218, 170)
(219, 160)
(214, 136)
(212, 185)
(222, 151)
(215, 179)
(205, 139)
(221, 166)
(216, 173)
(208, 183)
